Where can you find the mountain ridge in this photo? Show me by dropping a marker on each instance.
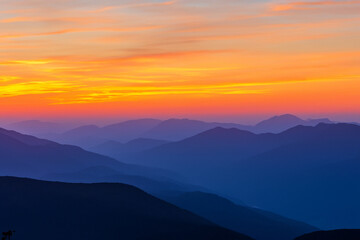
(99, 211)
(253, 222)
(254, 167)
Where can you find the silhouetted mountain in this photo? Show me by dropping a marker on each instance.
(82, 131)
(343, 234)
(24, 155)
(281, 123)
(207, 149)
(52, 210)
(83, 136)
(314, 122)
(92, 135)
(39, 128)
(178, 129)
(253, 222)
(295, 173)
(118, 150)
(129, 130)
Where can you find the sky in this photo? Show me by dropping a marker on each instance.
(180, 58)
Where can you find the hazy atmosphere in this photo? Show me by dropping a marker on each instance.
(179, 119)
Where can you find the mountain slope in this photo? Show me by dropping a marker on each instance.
(51, 210)
(36, 127)
(24, 155)
(119, 150)
(83, 136)
(129, 130)
(178, 129)
(283, 173)
(92, 135)
(206, 150)
(252, 222)
(281, 123)
(100, 174)
(170, 130)
(343, 234)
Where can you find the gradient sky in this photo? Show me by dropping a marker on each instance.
(83, 58)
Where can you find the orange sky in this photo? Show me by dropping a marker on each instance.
(78, 58)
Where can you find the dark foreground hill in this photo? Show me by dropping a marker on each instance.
(256, 223)
(52, 210)
(344, 234)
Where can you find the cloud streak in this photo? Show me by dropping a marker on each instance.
(138, 5)
(126, 53)
(310, 5)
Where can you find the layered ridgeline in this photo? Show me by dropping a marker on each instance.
(119, 150)
(94, 137)
(40, 128)
(169, 130)
(153, 185)
(28, 156)
(253, 222)
(39, 210)
(305, 173)
(24, 155)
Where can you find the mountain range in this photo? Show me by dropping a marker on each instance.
(28, 156)
(52, 210)
(119, 150)
(39, 128)
(25, 155)
(256, 223)
(98, 174)
(305, 173)
(92, 136)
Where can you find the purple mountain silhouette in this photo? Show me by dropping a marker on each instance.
(320, 162)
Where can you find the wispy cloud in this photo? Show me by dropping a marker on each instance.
(152, 49)
(34, 88)
(136, 5)
(113, 93)
(80, 30)
(26, 62)
(309, 5)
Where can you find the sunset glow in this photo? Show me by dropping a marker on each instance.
(84, 58)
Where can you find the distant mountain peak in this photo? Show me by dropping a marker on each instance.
(280, 119)
(283, 122)
(226, 130)
(86, 129)
(135, 122)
